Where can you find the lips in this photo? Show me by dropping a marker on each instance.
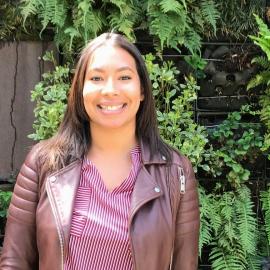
(111, 108)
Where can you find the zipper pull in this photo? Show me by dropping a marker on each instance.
(182, 180)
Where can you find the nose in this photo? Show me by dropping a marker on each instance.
(110, 87)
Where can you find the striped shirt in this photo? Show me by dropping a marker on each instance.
(99, 237)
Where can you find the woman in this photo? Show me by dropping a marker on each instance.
(105, 192)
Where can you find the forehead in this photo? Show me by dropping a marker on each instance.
(111, 56)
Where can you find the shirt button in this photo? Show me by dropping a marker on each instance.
(163, 157)
(157, 189)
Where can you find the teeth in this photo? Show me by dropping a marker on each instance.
(111, 108)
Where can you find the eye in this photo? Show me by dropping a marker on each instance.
(96, 78)
(125, 78)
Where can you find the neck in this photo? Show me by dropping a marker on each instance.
(112, 142)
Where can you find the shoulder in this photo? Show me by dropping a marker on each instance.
(180, 160)
(33, 160)
(33, 156)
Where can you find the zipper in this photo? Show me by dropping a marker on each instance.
(171, 260)
(182, 180)
(51, 200)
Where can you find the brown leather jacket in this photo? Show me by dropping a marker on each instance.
(163, 224)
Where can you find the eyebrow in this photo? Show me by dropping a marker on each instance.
(118, 70)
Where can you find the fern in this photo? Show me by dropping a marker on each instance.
(173, 25)
(263, 78)
(259, 79)
(246, 221)
(124, 18)
(263, 38)
(261, 61)
(87, 21)
(210, 13)
(123, 25)
(30, 7)
(53, 12)
(205, 226)
(254, 262)
(265, 199)
(192, 40)
(163, 26)
(125, 6)
(172, 5)
(224, 260)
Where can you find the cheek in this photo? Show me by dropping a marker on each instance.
(90, 88)
(88, 103)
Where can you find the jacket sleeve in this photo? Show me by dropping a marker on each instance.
(185, 255)
(20, 249)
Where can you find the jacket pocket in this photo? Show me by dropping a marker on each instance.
(80, 211)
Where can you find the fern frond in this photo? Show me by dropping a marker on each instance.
(265, 199)
(192, 40)
(263, 38)
(225, 260)
(124, 25)
(124, 6)
(262, 61)
(263, 28)
(29, 7)
(162, 27)
(246, 221)
(210, 13)
(205, 226)
(172, 6)
(87, 21)
(55, 12)
(72, 33)
(261, 78)
(205, 234)
(254, 262)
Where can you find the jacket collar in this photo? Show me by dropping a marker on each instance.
(62, 188)
(147, 158)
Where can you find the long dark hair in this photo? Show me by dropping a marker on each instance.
(73, 138)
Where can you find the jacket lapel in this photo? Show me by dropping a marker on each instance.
(63, 187)
(145, 190)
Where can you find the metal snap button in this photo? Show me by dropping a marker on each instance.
(53, 179)
(157, 189)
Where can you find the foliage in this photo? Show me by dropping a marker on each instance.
(11, 21)
(262, 79)
(237, 20)
(229, 226)
(228, 222)
(175, 109)
(50, 96)
(265, 198)
(197, 63)
(171, 23)
(182, 22)
(5, 197)
(237, 143)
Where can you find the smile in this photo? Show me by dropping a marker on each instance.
(112, 107)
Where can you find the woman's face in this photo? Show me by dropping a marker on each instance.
(112, 91)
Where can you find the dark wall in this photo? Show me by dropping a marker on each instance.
(20, 69)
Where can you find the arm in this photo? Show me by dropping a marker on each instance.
(20, 250)
(185, 256)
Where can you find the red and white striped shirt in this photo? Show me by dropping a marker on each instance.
(99, 229)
